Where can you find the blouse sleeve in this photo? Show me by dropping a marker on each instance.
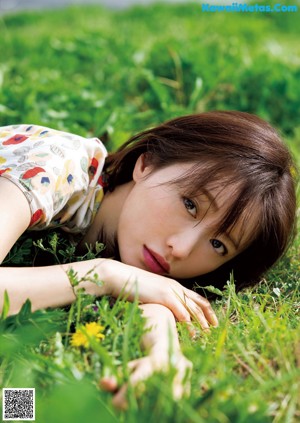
(59, 173)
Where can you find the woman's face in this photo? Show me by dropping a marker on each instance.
(163, 231)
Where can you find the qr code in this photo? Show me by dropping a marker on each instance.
(18, 404)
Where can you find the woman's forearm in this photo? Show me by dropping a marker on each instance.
(51, 287)
(45, 287)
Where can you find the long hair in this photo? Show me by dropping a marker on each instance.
(226, 148)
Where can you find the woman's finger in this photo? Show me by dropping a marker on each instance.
(109, 383)
(182, 379)
(188, 306)
(197, 314)
(119, 399)
(205, 306)
(142, 369)
(177, 304)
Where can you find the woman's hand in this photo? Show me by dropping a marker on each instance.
(164, 353)
(129, 282)
(142, 368)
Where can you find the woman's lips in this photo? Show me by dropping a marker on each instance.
(155, 262)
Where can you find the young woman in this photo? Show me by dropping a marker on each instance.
(194, 198)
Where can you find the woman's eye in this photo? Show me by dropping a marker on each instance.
(219, 247)
(190, 206)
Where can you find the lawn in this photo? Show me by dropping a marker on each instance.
(110, 74)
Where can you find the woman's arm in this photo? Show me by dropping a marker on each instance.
(43, 286)
(163, 351)
(14, 215)
(50, 287)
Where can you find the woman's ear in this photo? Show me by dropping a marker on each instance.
(141, 168)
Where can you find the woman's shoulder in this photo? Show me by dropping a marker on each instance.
(37, 135)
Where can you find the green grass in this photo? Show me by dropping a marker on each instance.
(111, 74)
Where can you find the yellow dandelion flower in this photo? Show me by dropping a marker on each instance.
(82, 336)
(79, 339)
(94, 329)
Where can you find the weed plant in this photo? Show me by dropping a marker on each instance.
(110, 74)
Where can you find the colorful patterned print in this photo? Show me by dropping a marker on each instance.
(59, 173)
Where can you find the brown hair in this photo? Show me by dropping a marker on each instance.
(226, 148)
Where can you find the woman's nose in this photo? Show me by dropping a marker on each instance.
(183, 244)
